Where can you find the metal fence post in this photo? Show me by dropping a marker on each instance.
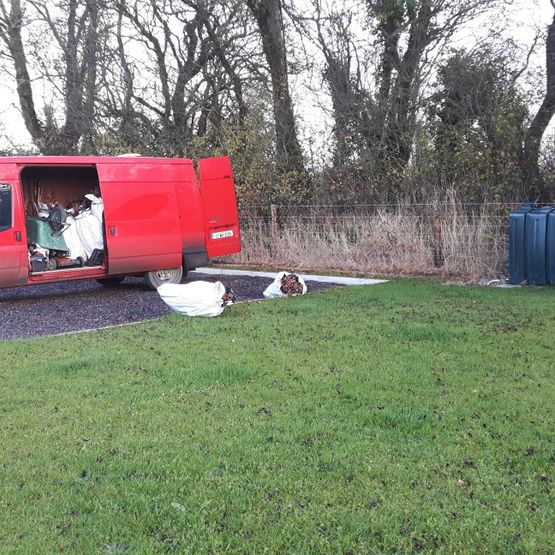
(274, 215)
(437, 238)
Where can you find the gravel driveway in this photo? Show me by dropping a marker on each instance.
(40, 310)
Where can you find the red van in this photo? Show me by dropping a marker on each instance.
(155, 218)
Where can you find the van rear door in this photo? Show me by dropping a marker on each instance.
(219, 206)
(13, 254)
(142, 224)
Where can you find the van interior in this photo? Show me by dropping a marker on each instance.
(63, 217)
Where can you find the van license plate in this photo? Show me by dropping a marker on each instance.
(221, 234)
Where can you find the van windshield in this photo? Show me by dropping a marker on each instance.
(5, 207)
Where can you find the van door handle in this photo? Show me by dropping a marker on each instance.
(113, 230)
(18, 235)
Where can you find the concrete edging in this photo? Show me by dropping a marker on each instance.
(307, 277)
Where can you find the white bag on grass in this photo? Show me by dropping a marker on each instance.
(199, 298)
(274, 289)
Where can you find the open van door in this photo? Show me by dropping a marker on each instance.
(142, 225)
(219, 206)
(13, 266)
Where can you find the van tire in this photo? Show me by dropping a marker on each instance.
(110, 282)
(155, 279)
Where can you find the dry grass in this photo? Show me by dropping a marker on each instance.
(468, 242)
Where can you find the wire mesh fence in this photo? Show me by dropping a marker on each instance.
(468, 240)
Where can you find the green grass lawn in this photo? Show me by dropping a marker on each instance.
(403, 417)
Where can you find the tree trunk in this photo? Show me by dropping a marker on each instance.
(69, 134)
(343, 100)
(400, 126)
(270, 22)
(90, 63)
(390, 26)
(79, 73)
(533, 180)
(14, 42)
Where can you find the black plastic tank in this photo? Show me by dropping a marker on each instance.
(551, 247)
(517, 247)
(536, 245)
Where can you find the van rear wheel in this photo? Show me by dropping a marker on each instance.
(155, 279)
(110, 282)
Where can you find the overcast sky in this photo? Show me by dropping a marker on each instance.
(520, 22)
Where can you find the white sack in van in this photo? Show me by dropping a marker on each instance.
(274, 289)
(97, 205)
(88, 225)
(199, 298)
(71, 237)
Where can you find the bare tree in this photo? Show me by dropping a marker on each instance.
(73, 26)
(375, 110)
(534, 182)
(422, 25)
(178, 61)
(342, 75)
(269, 16)
(189, 77)
(223, 47)
(402, 93)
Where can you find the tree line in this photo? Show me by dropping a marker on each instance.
(413, 111)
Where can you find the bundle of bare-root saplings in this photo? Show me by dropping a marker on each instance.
(290, 285)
